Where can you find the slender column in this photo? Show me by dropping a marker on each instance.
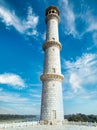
(52, 101)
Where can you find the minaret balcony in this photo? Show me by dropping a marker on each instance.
(52, 15)
(50, 44)
(45, 77)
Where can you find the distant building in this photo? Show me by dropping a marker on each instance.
(52, 101)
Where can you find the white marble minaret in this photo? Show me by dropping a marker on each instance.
(52, 101)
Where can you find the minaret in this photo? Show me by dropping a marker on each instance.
(52, 100)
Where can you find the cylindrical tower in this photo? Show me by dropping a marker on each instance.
(52, 101)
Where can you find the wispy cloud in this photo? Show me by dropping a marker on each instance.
(27, 26)
(30, 24)
(7, 110)
(35, 93)
(76, 23)
(12, 80)
(44, 36)
(12, 98)
(91, 21)
(10, 19)
(82, 72)
(12, 101)
(92, 26)
(68, 18)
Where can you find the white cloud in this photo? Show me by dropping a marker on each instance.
(29, 109)
(91, 21)
(68, 18)
(12, 98)
(87, 20)
(44, 36)
(31, 23)
(12, 80)
(12, 101)
(10, 19)
(27, 26)
(36, 95)
(7, 110)
(82, 72)
(75, 81)
(35, 92)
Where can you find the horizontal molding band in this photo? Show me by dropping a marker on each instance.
(51, 43)
(50, 16)
(45, 77)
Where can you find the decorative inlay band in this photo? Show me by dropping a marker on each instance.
(51, 43)
(49, 16)
(45, 77)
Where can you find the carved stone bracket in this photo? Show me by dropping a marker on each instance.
(51, 43)
(45, 77)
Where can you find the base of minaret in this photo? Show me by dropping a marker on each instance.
(53, 122)
(52, 102)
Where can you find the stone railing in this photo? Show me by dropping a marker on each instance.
(17, 124)
(65, 122)
(37, 123)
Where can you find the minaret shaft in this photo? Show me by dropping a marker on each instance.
(52, 60)
(52, 30)
(52, 101)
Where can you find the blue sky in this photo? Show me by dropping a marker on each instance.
(22, 34)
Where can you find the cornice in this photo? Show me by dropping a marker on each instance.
(51, 43)
(45, 77)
